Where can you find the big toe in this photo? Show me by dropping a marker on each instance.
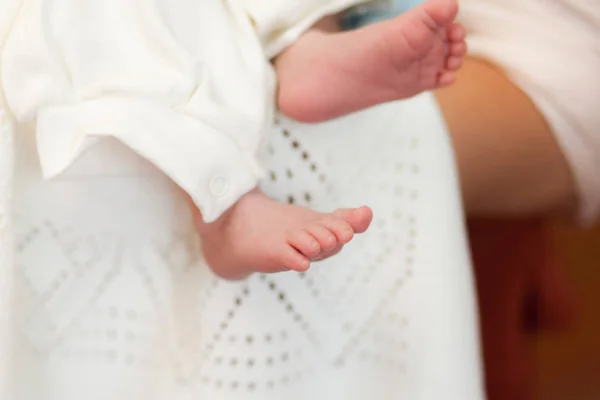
(441, 12)
(358, 218)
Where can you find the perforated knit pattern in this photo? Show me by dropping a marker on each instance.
(115, 302)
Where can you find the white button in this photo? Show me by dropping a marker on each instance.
(219, 186)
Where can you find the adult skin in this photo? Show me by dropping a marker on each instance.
(509, 162)
(513, 175)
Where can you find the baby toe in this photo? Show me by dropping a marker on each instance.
(305, 243)
(446, 78)
(457, 49)
(326, 238)
(358, 218)
(341, 229)
(456, 33)
(454, 63)
(329, 254)
(292, 260)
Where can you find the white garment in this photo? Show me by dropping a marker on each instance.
(281, 24)
(184, 83)
(551, 50)
(108, 297)
(7, 266)
(114, 301)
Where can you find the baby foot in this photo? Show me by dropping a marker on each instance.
(260, 235)
(327, 75)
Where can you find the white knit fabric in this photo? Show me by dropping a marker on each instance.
(6, 253)
(114, 302)
(104, 294)
(7, 261)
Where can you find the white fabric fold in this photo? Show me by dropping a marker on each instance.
(279, 25)
(215, 172)
(183, 83)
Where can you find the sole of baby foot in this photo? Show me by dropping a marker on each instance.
(324, 76)
(260, 235)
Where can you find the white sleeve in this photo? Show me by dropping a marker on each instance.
(185, 84)
(551, 50)
(279, 23)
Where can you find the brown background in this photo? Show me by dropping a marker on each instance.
(568, 364)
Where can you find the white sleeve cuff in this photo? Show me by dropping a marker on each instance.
(204, 162)
(279, 25)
